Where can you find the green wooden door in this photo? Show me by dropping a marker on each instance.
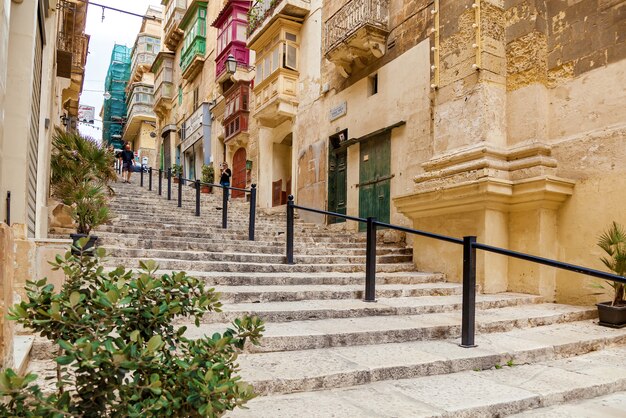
(337, 182)
(375, 178)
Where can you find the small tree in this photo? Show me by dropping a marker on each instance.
(613, 242)
(119, 353)
(80, 174)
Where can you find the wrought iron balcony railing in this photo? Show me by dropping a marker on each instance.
(355, 15)
(75, 44)
(260, 10)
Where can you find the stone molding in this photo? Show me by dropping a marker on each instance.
(547, 192)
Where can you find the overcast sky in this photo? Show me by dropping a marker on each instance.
(116, 28)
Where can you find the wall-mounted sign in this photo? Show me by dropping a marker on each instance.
(193, 126)
(86, 113)
(338, 111)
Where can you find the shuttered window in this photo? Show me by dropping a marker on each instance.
(33, 139)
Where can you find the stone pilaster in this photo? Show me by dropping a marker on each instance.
(7, 262)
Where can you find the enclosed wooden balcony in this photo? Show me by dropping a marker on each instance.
(163, 68)
(275, 98)
(174, 12)
(356, 33)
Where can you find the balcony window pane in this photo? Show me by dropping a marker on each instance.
(275, 58)
(266, 65)
(241, 32)
(291, 56)
(259, 74)
(290, 37)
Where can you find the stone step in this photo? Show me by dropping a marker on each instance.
(326, 309)
(291, 293)
(167, 230)
(226, 266)
(607, 406)
(139, 241)
(114, 241)
(474, 387)
(339, 332)
(216, 278)
(241, 257)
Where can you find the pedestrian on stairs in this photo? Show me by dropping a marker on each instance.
(225, 177)
(127, 158)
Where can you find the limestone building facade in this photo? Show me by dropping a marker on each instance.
(500, 119)
(496, 118)
(140, 126)
(43, 51)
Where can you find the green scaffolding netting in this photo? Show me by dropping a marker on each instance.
(114, 112)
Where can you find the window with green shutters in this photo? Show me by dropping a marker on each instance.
(194, 42)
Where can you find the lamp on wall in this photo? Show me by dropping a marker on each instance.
(231, 64)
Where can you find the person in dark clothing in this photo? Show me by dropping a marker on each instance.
(225, 177)
(127, 158)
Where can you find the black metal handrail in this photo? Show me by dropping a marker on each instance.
(8, 208)
(167, 174)
(468, 321)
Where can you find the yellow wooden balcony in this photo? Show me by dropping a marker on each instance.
(275, 98)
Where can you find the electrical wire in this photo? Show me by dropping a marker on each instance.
(88, 2)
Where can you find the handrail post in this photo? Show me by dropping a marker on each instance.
(197, 197)
(141, 177)
(150, 179)
(160, 181)
(468, 321)
(9, 208)
(252, 213)
(180, 190)
(169, 184)
(289, 237)
(224, 207)
(370, 261)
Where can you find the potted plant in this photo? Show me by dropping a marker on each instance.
(208, 176)
(89, 210)
(176, 171)
(613, 242)
(81, 171)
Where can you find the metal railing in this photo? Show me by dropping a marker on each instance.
(470, 245)
(197, 184)
(353, 16)
(8, 209)
(76, 44)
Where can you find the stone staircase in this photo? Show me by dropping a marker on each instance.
(326, 353)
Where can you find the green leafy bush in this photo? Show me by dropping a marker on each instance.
(177, 170)
(208, 173)
(120, 355)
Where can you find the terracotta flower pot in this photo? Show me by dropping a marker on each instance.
(206, 189)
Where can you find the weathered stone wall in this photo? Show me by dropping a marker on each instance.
(7, 263)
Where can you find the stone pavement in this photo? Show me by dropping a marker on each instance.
(326, 353)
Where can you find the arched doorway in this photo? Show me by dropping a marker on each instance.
(239, 172)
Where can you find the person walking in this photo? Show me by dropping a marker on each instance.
(127, 158)
(225, 177)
